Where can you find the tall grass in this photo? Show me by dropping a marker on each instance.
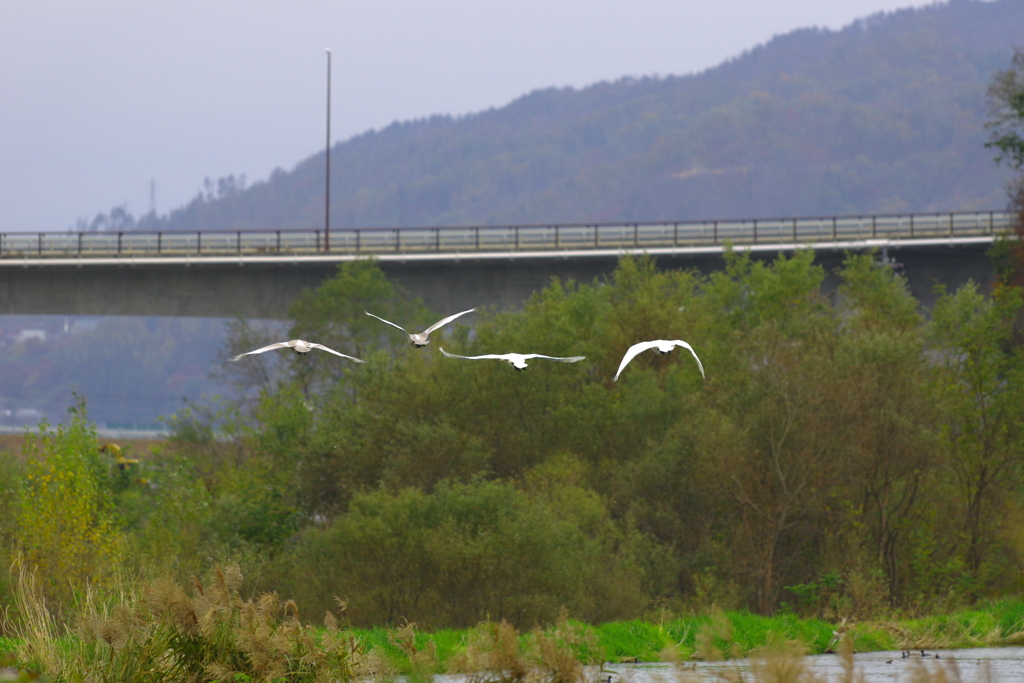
(1001, 623)
(498, 653)
(728, 635)
(160, 631)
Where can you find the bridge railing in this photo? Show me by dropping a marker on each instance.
(506, 238)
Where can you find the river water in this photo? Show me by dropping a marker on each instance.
(978, 665)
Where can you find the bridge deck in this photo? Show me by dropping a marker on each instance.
(533, 241)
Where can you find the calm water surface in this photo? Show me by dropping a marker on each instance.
(978, 665)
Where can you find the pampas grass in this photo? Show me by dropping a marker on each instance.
(158, 631)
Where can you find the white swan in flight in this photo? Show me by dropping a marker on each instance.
(420, 340)
(299, 346)
(516, 360)
(663, 346)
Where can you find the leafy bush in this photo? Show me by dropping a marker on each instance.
(67, 530)
(458, 556)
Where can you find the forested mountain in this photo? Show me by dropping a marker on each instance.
(885, 115)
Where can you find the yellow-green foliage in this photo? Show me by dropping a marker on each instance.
(66, 529)
(158, 632)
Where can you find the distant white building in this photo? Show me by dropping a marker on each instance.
(30, 333)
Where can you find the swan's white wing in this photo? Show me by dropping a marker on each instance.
(632, 352)
(386, 321)
(278, 345)
(560, 359)
(680, 342)
(324, 348)
(445, 321)
(487, 356)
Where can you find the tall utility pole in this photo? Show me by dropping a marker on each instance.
(327, 188)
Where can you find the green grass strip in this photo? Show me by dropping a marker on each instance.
(734, 634)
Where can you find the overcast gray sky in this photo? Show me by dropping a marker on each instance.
(99, 97)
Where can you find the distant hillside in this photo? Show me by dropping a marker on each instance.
(884, 115)
(157, 362)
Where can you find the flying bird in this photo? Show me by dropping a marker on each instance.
(299, 346)
(662, 345)
(516, 360)
(420, 339)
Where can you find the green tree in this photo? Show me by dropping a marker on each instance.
(1006, 112)
(67, 529)
(774, 431)
(981, 389)
(332, 314)
(1006, 133)
(335, 312)
(889, 417)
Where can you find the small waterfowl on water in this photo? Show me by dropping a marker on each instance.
(663, 347)
(298, 346)
(516, 360)
(420, 339)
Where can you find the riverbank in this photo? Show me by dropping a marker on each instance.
(731, 635)
(568, 645)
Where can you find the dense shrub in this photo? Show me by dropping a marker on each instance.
(466, 553)
(67, 529)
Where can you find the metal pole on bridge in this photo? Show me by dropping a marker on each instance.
(327, 186)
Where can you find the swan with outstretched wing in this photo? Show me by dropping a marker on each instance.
(420, 339)
(516, 360)
(663, 346)
(298, 346)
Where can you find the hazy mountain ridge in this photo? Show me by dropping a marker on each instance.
(131, 369)
(885, 115)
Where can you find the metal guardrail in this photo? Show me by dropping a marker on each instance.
(507, 238)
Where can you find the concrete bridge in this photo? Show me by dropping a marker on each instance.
(256, 274)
